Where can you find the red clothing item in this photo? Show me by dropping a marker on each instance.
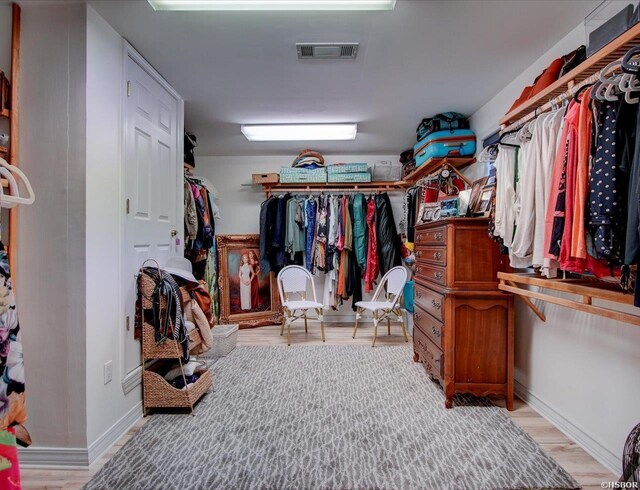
(373, 267)
(578, 241)
(568, 262)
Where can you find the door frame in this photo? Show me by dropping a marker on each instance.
(131, 380)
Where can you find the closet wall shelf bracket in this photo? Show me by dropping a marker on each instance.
(614, 50)
(586, 289)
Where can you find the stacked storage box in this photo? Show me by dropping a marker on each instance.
(292, 175)
(349, 172)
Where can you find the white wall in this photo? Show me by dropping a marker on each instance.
(68, 271)
(106, 404)
(50, 265)
(240, 204)
(581, 371)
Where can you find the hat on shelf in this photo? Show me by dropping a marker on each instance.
(308, 159)
(180, 267)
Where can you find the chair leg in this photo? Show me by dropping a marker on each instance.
(321, 323)
(375, 328)
(388, 326)
(284, 320)
(289, 333)
(305, 322)
(404, 330)
(358, 311)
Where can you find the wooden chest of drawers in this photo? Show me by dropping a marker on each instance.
(463, 325)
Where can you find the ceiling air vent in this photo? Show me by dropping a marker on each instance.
(326, 51)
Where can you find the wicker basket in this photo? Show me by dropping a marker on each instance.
(271, 178)
(158, 393)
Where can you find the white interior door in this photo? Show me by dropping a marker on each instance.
(152, 168)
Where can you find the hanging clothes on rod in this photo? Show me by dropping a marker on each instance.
(331, 234)
(567, 191)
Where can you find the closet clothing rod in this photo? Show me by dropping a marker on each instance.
(556, 101)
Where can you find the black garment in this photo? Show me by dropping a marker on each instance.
(267, 215)
(632, 242)
(277, 255)
(167, 321)
(609, 182)
(412, 204)
(558, 220)
(388, 239)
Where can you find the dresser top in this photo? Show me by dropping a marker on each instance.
(446, 221)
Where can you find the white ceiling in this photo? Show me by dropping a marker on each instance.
(424, 57)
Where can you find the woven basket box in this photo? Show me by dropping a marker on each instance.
(354, 177)
(271, 178)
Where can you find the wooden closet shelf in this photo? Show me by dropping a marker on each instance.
(6, 113)
(616, 49)
(586, 288)
(270, 187)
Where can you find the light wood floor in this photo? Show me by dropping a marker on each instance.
(586, 470)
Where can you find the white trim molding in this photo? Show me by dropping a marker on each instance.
(603, 455)
(78, 457)
(131, 380)
(103, 443)
(53, 457)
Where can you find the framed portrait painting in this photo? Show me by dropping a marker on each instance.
(248, 296)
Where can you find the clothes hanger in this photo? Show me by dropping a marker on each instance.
(12, 200)
(581, 90)
(629, 67)
(13, 185)
(503, 135)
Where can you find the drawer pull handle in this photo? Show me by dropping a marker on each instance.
(437, 255)
(437, 275)
(438, 236)
(419, 237)
(435, 331)
(435, 304)
(419, 293)
(419, 254)
(416, 315)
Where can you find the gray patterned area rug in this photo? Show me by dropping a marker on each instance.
(330, 417)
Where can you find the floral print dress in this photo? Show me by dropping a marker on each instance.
(12, 398)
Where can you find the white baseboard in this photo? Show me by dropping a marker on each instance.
(603, 455)
(53, 457)
(102, 444)
(81, 458)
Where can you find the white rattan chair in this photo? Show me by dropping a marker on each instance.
(293, 282)
(385, 309)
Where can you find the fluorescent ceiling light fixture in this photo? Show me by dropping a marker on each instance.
(299, 132)
(272, 4)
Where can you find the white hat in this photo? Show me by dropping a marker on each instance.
(181, 267)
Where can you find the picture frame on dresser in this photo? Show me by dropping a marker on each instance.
(248, 296)
(476, 190)
(485, 200)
